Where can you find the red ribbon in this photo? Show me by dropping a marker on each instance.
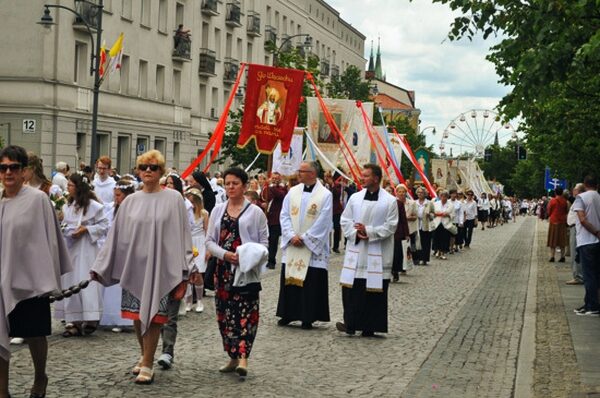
(217, 138)
(416, 164)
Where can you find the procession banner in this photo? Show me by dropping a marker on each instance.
(271, 107)
(287, 164)
(349, 120)
(439, 169)
(422, 156)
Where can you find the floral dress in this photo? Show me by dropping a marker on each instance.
(237, 309)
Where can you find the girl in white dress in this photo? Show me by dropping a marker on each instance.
(111, 316)
(199, 241)
(85, 226)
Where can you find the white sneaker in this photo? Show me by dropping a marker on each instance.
(116, 330)
(188, 307)
(182, 309)
(17, 340)
(199, 306)
(165, 361)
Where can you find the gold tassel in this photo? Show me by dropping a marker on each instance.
(294, 282)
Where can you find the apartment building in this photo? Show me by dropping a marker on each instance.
(169, 91)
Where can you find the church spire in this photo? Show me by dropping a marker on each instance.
(378, 69)
(496, 140)
(371, 67)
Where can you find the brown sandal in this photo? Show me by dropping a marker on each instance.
(136, 369)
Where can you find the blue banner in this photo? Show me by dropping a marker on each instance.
(551, 181)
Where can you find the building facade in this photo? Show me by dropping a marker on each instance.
(170, 89)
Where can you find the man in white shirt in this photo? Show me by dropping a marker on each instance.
(571, 223)
(60, 178)
(587, 208)
(104, 184)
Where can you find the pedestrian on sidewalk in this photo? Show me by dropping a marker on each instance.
(587, 207)
(234, 225)
(149, 252)
(369, 222)
(571, 223)
(306, 221)
(32, 245)
(557, 231)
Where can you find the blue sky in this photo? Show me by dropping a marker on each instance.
(449, 78)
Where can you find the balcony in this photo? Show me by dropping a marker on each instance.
(206, 62)
(89, 14)
(234, 13)
(209, 7)
(335, 71)
(182, 44)
(270, 35)
(230, 70)
(325, 67)
(253, 27)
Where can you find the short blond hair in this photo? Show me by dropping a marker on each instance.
(153, 154)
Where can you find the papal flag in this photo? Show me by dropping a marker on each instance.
(116, 54)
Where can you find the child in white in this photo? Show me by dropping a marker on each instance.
(199, 242)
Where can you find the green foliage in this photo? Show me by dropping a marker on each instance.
(550, 56)
(349, 85)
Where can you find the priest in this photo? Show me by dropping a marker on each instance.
(305, 220)
(368, 222)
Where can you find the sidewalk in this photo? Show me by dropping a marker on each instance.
(567, 345)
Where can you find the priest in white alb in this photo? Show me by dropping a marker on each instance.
(306, 221)
(368, 222)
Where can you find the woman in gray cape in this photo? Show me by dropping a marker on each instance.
(33, 258)
(149, 252)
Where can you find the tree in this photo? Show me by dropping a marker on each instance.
(349, 85)
(550, 55)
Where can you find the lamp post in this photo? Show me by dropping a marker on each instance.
(47, 21)
(307, 45)
(422, 132)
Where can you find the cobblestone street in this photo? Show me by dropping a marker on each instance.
(455, 331)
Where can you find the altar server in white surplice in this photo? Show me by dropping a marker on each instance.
(306, 221)
(369, 223)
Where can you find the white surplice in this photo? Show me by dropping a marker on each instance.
(316, 238)
(382, 233)
(87, 305)
(104, 190)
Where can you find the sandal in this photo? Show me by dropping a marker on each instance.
(146, 376)
(72, 332)
(89, 328)
(136, 369)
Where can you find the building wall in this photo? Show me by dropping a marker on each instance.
(155, 100)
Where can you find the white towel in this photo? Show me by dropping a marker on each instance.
(252, 255)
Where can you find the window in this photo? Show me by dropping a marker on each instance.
(103, 142)
(160, 82)
(124, 153)
(177, 86)
(179, 14)
(143, 79)
(162, 15)
(249, 53)
(176, 151)
(80, 68)
(217, 43)
(126, 9)
(228, 39)
(215, 103)
(160, 145)
(204, 35)
(202, 99)
(239, 49)
(124, 83)
(146, 12)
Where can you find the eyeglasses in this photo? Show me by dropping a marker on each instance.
(10, 166)
(152, 167)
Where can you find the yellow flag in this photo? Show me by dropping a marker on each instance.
(117, 47)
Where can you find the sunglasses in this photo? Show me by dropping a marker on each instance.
(152, 167)
(10, 166)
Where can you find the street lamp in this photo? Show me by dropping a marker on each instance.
(307, 45)
(47, 21)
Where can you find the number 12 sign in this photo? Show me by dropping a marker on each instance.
(28, 126)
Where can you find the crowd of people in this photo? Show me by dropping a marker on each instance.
(152, 244)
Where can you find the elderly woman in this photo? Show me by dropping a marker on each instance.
(424, 216)
(235, 224)
(33, 258)
(85, 227)
(443, 224)
(149, 252)
(402, 233)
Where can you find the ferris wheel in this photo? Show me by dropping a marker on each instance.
(472, 131)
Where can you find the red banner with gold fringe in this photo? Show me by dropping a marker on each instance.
(270, 107)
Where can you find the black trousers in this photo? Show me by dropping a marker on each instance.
(469, 225)
(398, 263)
(274, 234)
(337, 231)
(425, 253)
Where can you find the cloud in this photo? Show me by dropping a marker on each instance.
(449, 78)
